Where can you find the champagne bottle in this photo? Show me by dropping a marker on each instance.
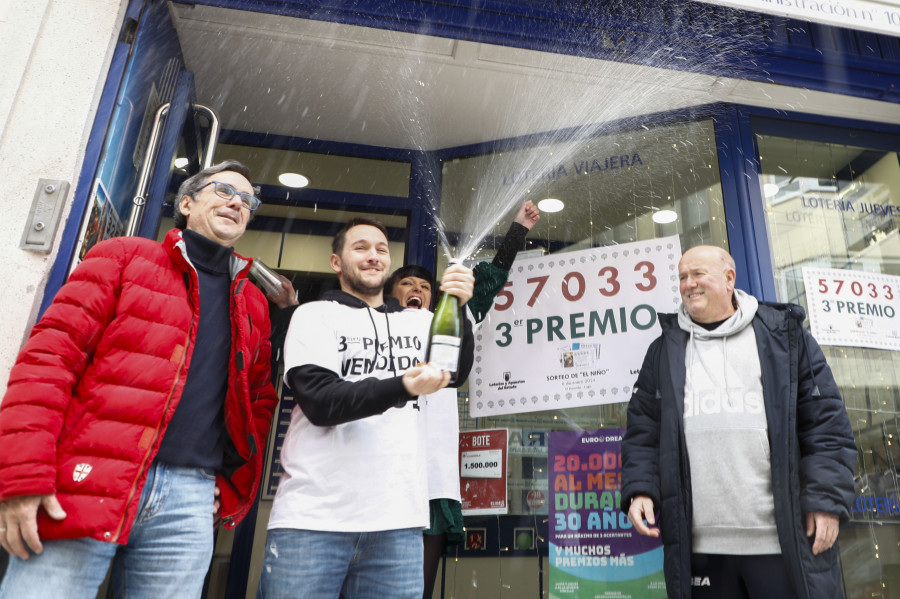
(445, 336)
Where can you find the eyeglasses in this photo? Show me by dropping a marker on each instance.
(226, 191)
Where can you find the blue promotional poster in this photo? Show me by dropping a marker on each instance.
(594, 551)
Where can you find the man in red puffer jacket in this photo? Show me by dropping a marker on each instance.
(142, 392)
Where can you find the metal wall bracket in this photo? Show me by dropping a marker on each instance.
(43, 219)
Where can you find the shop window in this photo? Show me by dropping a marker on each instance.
(833, 206)
(610, 187)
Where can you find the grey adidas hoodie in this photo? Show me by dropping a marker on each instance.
(727, 437)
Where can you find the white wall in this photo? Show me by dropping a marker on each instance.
(54, 59)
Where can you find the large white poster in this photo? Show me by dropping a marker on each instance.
(853, 308)
(571, 329)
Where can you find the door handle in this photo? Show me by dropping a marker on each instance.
(140, 198)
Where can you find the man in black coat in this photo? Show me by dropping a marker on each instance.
(738, 445)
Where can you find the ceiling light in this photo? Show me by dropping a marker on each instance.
(770, 190)
(293, 180)
(664, 217)
(181, 162)
(550, 205)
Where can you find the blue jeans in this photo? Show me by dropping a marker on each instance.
(167, 555)
(309, 564)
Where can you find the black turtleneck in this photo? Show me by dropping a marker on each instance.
(195, 436)
(709, 326)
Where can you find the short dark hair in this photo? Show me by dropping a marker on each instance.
(410, 270)
(337, 244)
(193, 184)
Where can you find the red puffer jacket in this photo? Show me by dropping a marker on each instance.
(101, 374)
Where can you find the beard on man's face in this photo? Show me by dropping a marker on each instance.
(358, 285)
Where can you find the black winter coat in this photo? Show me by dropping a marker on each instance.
(813, 453)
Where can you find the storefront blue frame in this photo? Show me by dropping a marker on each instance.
(851, 63)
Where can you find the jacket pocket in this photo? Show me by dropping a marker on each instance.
(670, 521)
(823, 575)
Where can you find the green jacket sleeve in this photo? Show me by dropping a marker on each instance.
(488, 281)
(490, 277)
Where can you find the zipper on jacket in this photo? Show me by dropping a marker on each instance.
(238, 361)
(184, 355)
(795, 337)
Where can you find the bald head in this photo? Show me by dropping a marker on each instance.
(711, 253)
(706, 274)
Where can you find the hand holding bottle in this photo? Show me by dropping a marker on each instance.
(445, 337)
(286, 296)
(458, 280)
(424, 379)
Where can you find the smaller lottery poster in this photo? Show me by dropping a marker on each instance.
(482, 471)
(853, 308)
(594, 551)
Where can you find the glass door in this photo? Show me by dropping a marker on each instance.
(832, 206)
